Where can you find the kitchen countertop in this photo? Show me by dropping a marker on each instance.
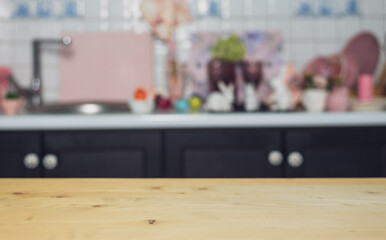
(192, 209)
(220, 120)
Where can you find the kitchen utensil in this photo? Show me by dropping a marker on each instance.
(105, 66)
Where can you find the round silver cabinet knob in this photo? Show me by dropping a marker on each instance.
(50, 161)
(295, 159)
(275, 158)
(31, 161)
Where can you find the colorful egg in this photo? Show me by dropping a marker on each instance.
(195, 103)
(182, 106)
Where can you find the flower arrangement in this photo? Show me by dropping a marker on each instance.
(312, 81)
(322, 93)
(229, 49)
(315, 81)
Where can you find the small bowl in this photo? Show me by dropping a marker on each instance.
(141, 106)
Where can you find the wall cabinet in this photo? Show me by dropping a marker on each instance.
(196, 153)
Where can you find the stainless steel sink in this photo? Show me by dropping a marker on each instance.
(81, 108)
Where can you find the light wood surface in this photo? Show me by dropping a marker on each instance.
(45, 209)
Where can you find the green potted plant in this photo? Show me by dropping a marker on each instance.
(226, 53)
(12, 103)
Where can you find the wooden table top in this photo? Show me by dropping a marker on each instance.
(45, 209)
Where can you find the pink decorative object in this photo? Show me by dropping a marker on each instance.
(105, 66)
(359, 56)
(365, 88)
(320, 66)
(338, 100)
(164, 16)
(4, 74)
(12, 106)
(361, 52)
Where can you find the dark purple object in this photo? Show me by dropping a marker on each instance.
(223, 71)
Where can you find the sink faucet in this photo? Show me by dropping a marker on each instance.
(33, 94)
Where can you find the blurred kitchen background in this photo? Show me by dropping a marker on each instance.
(309, 27)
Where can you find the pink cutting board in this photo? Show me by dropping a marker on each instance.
(105, 66)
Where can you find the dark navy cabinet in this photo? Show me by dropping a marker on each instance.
(124, 154)
(20, 153)
(336, 152)
(222, 153)
(196, 153)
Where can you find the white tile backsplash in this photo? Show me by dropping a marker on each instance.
(347, 27)
(93, 9)
(302, 28)
(259, 8)
(373, 7)
(225, 8)
(324, 47)
(5, 30)
(325, 28)
(280, 8)
(24, 30)
(73, 25)
(236, 8)
(304, 37)
(49, 28)
(22, 53)
(304, 51)
(255, 25)
(5, 54)
(50, 58)
(116, 26)
(5, 9)
(282, 26)
(116, 9)
(374, 26)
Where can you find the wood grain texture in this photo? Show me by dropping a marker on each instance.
(58, 209)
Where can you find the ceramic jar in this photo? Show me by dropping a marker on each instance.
(314, 100)
(338, 99)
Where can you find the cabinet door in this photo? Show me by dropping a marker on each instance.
(20, 154)
(102, 154)
(222, 153)
(336, 152)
